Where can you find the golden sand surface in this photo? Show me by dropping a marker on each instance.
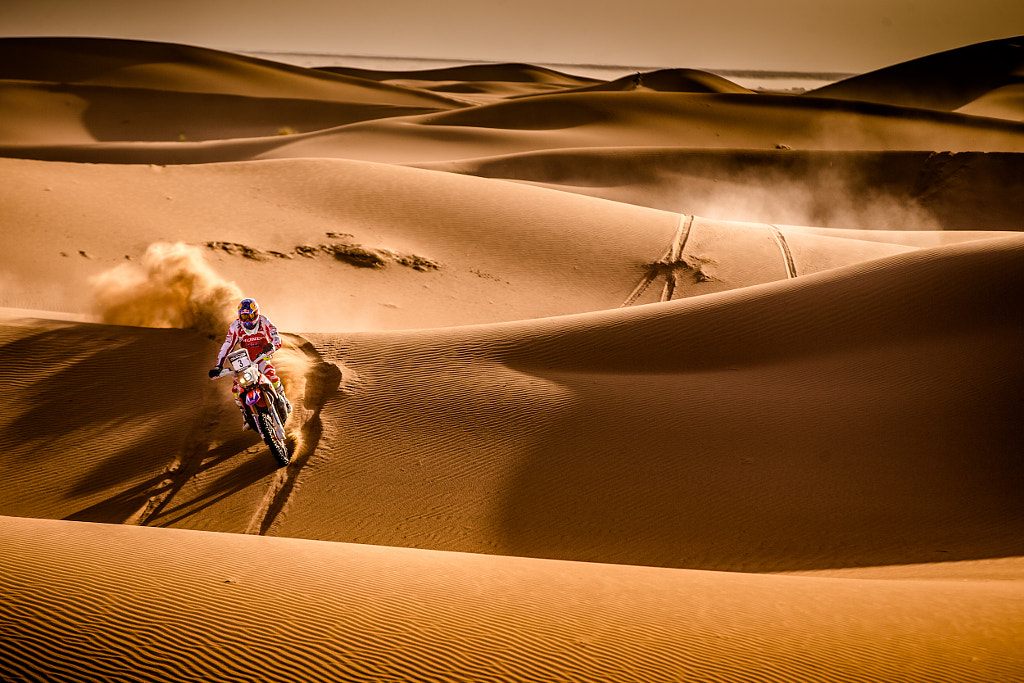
(648, 379)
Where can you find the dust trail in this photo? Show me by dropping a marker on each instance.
(173, 286)
(292, 366)
(842, 197)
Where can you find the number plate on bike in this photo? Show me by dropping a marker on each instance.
(239, 360)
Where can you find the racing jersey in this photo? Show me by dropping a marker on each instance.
(252, 341)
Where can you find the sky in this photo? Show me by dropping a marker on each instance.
(848, 36)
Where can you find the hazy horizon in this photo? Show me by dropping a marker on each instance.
(330, 56)
(749, 78)
(794, 35)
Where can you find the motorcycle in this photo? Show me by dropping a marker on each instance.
(264, 410)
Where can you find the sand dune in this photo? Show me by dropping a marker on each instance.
(641, 380)
(669, 80)
(585, 120)
(534, 437)
(479, 83)
(183, 68)
(89, 90)
(333, 614)
(717, 121)
(956, 80)
(502, 251)
(558, 120)
(105, 114)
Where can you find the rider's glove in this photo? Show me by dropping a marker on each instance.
(216, 371)
(268, 348)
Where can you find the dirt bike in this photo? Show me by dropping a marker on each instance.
(264, 410)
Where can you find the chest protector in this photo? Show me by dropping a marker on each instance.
(253, 342)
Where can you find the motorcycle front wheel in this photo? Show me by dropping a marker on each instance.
(278, 448)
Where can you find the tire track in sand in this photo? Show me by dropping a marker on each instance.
(780, 239)
(321, 381)
(666, 265)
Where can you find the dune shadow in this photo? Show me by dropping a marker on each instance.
(84, 392)
(802, 487)
(122, 506)
(529, 114)
(860, 421)
(59, 400)
(140, 115)
(249, 471)
(132, 502)
(81, 59)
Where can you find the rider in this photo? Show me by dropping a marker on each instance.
(255, 333)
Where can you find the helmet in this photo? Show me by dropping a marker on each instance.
(249, 313)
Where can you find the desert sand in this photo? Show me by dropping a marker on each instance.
(642, 380)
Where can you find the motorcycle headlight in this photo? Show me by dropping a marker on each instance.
(248, 376)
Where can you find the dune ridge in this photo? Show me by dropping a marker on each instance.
(184, 68)
(955, 80)
(657, 378)
(696, 364)
(584, 120)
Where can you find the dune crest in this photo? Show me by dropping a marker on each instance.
(955, 80)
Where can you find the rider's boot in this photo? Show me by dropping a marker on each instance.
(245, 420)
(280, 394)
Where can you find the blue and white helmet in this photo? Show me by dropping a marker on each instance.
(249, 313)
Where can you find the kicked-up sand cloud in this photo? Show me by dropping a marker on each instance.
(172, 285)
